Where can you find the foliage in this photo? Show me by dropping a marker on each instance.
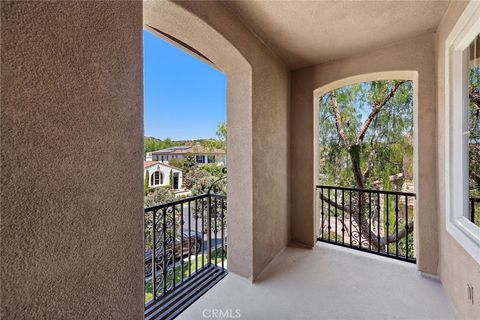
(199, 181)
(222, 135)
(158, 196)
(387, 141)
(365, 138)
(402, 246)
(189, 268)
(474, 129)
(189, 163)
(177, 162)
(145, 182)
(185, 164)
(152, 144)
(221, 141)
(213, 169)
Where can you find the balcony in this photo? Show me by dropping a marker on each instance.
(72, 220)
(378, 278)
(328, 282)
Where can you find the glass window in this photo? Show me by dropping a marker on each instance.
(155, 179)
(473, 124)
(461, 130)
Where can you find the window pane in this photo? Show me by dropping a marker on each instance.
(474, 131)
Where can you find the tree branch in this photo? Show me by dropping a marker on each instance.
(476, 116)
(401, 234)
(375, 110)
(338, 119)
(343, 208)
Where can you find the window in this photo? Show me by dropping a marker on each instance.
(462, 130)
(155, 179)
(473, 129)
(200, 159)
(211, 159)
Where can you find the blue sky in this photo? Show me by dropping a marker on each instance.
(184, 97)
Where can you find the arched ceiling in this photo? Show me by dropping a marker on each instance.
(306, 33)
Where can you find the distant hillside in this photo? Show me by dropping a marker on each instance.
(152, 143)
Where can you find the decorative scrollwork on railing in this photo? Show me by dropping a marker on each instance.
(176, 238)
(359, 238)
(368, 220)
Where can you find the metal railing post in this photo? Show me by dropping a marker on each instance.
(209, 229)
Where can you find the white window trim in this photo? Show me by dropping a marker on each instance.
(456, 143)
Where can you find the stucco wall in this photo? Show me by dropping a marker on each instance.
(413, 59)
(456, 267)
(257, 117)
(71, 114)
(165, 171)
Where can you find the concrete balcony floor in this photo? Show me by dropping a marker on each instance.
(328, 282)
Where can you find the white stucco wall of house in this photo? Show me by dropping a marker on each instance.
(220, 159)
(165, 171)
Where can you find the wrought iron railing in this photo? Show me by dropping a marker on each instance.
(474, 210)
(182, 238)
(374, 221)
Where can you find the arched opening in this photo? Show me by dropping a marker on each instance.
(166, 20)
(362, 202)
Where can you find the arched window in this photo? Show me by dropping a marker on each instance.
(155, 178)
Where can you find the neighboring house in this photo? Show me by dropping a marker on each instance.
(162, 175)
(202, 154)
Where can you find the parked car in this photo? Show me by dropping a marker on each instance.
(196, 243)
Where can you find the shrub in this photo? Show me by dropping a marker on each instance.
(177, 162)
(199, 181)
(158, 196)
(213, 169)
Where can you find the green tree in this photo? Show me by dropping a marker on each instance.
(200, 179)
(189, 163)
(157, 196)
(145, 183)
(152, 144)
(222, 135)
(474, 130)
(177, 163)
(221, 141)
(474, 139)
(214, 169)
(365, 141)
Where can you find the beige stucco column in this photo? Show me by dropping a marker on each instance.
(413, 60)
(71, 161)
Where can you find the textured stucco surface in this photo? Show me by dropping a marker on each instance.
(257, 116)
(456, 267)
(415, 56)
(71, 115)
(306, 33)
